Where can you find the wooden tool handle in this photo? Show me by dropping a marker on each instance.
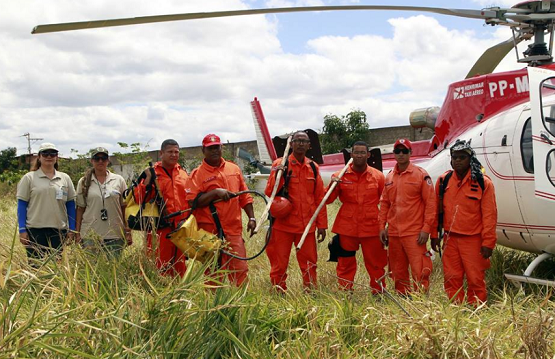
(276, 185)
(315, 215)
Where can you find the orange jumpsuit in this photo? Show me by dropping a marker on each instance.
(228, 175)
(469, 222)
(169, 259)
(408, 206)
(357, 225)
(306, 191)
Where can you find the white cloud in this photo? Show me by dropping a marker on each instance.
(186, 79)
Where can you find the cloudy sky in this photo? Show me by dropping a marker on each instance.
(183, 80)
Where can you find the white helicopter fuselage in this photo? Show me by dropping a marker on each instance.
(503, 144)
(524, 221)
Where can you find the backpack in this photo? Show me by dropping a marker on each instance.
(283, 192)
(146, 215)
(448, 177)
(442, 187)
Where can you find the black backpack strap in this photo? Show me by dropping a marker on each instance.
(442, 187)
(480, 181)
(283, 192)
(445, 182)
(315, 171)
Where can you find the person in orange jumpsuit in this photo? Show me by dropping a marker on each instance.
(218, 179)
(357, 220)
(469, 221)
(171, 180)
(408, 207)
(305, 192)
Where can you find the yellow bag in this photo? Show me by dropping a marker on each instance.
(140, 217)
(195, 243)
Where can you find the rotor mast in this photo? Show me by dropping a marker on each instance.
(538, 23)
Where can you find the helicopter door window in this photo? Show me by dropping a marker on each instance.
(527, 153)
(549, 168)
(548, 112)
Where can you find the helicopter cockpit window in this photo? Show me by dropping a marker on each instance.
(548, 112)
(549, 168)
(527, 153)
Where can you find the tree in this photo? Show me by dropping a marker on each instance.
(135, 161)
(75, 165)
(8, 162)
(10, 172)
(342, 132)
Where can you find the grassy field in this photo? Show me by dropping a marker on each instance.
(85, 307)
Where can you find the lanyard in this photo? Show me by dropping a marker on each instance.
(101, 192)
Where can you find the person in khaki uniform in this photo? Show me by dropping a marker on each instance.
(100, 207)
(45, 205)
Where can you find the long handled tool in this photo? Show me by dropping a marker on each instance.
(387, 294)
(175, 214)
(332, 187)
(276, 185)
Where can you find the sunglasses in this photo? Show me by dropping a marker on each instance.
(459, 157)
(301, 142)
(49, 153)
(404, 151)
(100, 158)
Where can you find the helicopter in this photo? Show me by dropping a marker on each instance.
(509, 117)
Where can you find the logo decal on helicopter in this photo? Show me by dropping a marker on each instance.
(468, 91)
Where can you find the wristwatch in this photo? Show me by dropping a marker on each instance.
(252, 219)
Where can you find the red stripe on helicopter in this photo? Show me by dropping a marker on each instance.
(545, 195)
(541, 139)
(526, 226)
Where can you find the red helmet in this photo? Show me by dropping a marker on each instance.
(281, 207)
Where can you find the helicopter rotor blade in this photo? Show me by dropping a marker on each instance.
(493, 56)
(466, 13)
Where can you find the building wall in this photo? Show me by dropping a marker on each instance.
(193, 155)
(388, 135)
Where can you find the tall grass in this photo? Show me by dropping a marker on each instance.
(87, 307)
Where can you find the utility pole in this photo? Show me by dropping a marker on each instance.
(29, 139)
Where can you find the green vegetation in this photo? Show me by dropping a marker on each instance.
(341, 132)
(138, 158)
(11, 170)
(8, 162)
(86, 307)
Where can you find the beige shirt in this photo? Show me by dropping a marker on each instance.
(47, 198)
(112, 193)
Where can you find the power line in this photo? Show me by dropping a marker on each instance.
(29, 139)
